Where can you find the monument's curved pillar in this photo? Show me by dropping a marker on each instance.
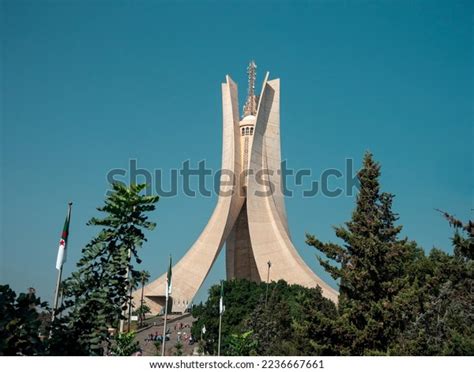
(265, 204)
(250, 214)
(190, 272)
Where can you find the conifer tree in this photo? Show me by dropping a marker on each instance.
(370, 267)
(443, 318)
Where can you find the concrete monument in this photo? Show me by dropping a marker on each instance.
(250, 216)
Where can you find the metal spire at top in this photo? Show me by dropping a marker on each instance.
(250, 107)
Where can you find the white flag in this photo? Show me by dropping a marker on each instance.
(169, 281)
(221, 300)
(61, 258)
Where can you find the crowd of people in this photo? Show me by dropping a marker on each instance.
(182, 330)
(152, 337)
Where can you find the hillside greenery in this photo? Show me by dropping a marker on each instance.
(395, 298)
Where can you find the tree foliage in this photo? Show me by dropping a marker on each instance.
(443, 320)
(178, 348)
(98, 292)
(273, 328)
(393, 298)
(371, 268)
(20, 324)
(124, 344)
(143, 309)
(241, 344)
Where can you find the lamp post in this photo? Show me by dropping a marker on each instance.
(269, 264)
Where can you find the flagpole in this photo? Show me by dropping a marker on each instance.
(129, 290)
(124, 312)
(167, 293)
(60, 273)
(164, 325)
(141, 303)
(269, 264)
(129, 324)
(56, 294)
(220, 330)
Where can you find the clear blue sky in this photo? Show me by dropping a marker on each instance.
(88, 85)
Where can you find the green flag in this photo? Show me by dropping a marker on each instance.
(61, 258)
(168, 280)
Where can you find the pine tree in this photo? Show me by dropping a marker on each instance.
(370, 267)
(444, 316)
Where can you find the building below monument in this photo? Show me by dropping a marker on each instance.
(250, 216)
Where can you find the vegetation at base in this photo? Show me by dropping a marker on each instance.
(242, 344)
(251, 327)
(141, 312)
(373, 269)
(21, 330)
(394, 299)
(157, 345)
(143, 308)
(98, 293)
(178, 348)
(124, 344)
(443, 288)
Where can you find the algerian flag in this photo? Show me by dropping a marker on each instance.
(61, 259)
(221, 300)
(203, 329)
(168, 281)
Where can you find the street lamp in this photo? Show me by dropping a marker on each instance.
(269, 264)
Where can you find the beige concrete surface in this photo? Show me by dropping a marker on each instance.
(250, 218)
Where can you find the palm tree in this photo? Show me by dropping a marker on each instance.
(144, 277)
